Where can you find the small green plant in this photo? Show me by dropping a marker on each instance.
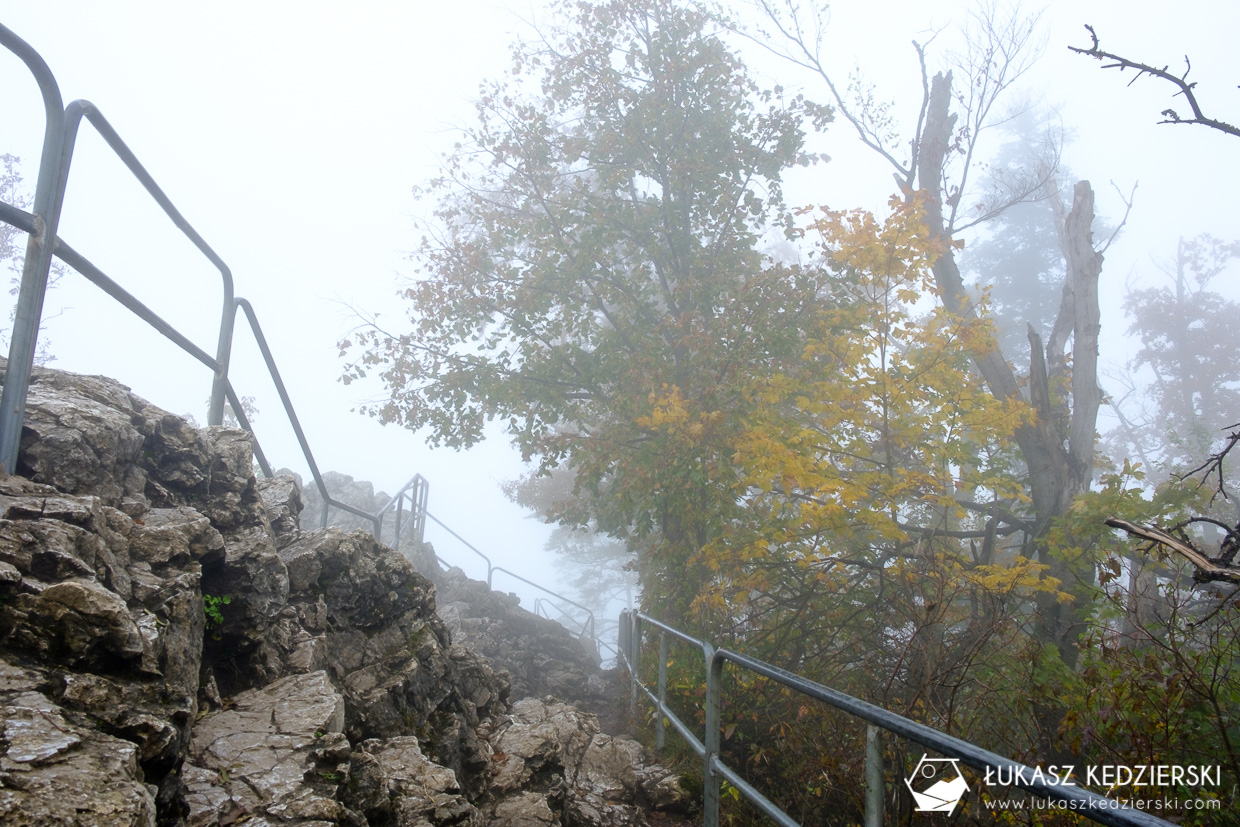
(211, 607)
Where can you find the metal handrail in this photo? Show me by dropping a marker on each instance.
(274, 372)
(628, 646)
(464, 542)
(587, 629)
(1083, 802)
(39, 250)
(540, 610)
(74, 113)
(27, 222)
(416, 491)
(60, 136)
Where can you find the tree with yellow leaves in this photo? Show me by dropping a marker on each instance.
(805, 457)
(592, 274)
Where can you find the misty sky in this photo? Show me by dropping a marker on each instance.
(290, 134)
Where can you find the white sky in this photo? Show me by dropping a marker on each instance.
(291, 133)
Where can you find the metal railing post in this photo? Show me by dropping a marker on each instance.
(874, 792)
(716, 772)
(61, 128)
(421, 491)
(223, 354)
(659, 720)
(624, 649)
(74, 113)
(635, 649)
(622, 636)
(48, 199)
(713, 741)
(415, 491)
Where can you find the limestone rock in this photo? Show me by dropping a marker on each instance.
(84, 435)
(542, 656)
(362, 495)
(525, 810)
(278, 752)
(54, 770)
(370, 619)
(282, 498)
(342, 488)
(391, 781)
(114, 640)
(319, 686)
(78, 624)
(556, 750)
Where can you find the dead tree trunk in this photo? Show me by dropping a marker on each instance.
(1058, 450)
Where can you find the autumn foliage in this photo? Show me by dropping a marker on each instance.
(801, 449)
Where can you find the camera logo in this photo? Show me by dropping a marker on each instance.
(936, 784)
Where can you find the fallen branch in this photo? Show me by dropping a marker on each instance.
(1208, 570)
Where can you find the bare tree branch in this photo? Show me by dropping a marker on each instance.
(1209, 569)
(1127, 211)
(1214, 465)
(796, 35)
(1180, 82)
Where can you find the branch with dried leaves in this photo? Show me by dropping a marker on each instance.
(1179, 81)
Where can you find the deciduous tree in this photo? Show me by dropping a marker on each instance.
(592, 270)
(938, 161)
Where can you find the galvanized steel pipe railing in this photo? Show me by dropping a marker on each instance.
(38, 261)
(587, 627)
(61, 126)
(59, 138)
(1091, 805)
(415, 492)
(629, 652)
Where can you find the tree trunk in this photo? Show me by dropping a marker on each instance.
(1059, 460)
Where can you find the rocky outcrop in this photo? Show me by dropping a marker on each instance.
(176, 649)
(277, 750)
(361, 494)
(342, 488)
(540, 655)
(554, 752)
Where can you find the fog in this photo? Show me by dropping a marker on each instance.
(291, 134)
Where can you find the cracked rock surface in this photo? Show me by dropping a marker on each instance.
(316, 685)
